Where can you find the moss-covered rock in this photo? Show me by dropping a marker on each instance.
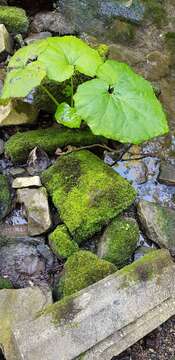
(18, 147)
(156, 11)
(15, 19)
(86, 192)
(81, 270)
(5, 283)
(122, 31)
(5, 197)
(61, 243)
(119, 241)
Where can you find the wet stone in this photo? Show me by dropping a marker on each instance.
(167, 174)
(37, 161)
(52, 22)
(129, 10)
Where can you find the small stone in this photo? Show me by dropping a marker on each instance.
(2, 144)
(61, 243)
(37, 161)
(38, 36)
(16, 171)
(158, 223)
(167, 174)
(5, 42)
(5, 197)
(133, 170)
(52, 22)
(37, 209)
(17, 113)
(25, 182)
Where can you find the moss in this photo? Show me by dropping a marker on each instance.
(5, 197)
(170, 41)
(103, 50)
(119, 241)
(19, 145)
(86, 192)
(122, 31)
(155, 10)
(145, 268)
(14, 19)
(61, 243)
(5, 283)
(81, 270)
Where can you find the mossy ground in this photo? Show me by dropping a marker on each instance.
(81, 270)
(5, 283)
(61, 243)
(155, 10)
(19, 145)
(86, 192)
(120, 241)
(14, 19)
(5, 197)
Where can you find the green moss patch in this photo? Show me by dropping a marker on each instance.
(119, 241)
(155, 10)
(19, 145)
(61, 243)
(15, 19)
(86, 192)
(5, 197)
(5, 283)
(81, 270)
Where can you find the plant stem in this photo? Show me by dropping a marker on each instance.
(72, 91)
(50, 95)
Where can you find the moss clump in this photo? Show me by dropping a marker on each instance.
(119, 241)
(14, 19)
(61, 243)
(86, 192)
(5, 197)
(81, 270)
(5, 283)
(155, 10)
(170, 41)
(19, 145)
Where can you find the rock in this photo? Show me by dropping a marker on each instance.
(167, 95)
(105, 318)
(17, 113)
(24, 182)
(5, 42)
(157, 66)
(19, 145)
(38, 36)
(16, 306)
(16, 171)
(15, 19)
(119, 241)
(25, 260)
(61, 243)
(133, 12)
(121, 31)
(133, 170)
(52, 22)
(121, 53)
(167, 174)
(37, 161)
(5, 283)
(37, 209)
(86, 192)
(82, 269)
(158, 223)
(5, 197)
(142, 251)
(2, 144)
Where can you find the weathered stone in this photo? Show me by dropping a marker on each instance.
(19, 145)
(61, 243)
(134, 170)
(15, 307)
(17, 113)
(53, 22)
(99, 314)
(119, 241)
(24, 182)
(157, 66)
(158, 223)
(129, 10)
(167, 174)
(14, 19)
(37, 209)
(5, 42)
(38, 36)
(5, 197)
(86, 192)
(37, 161)
(16, 171)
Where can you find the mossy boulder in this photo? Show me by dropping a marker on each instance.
(5, 283)
(86, 192)
(5, 197)
(61, 243)
(119, 241)
(81, 270)
(18, 147)
(15, 19)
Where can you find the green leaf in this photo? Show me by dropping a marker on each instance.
(120, 105)
(67, 116)
(20, 82)
(27, 54)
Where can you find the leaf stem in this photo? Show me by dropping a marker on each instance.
(50, 95)
(72, 91)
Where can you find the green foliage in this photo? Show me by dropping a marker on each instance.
(118, 104)
(5, 283)
(61, 243)
(14, 19)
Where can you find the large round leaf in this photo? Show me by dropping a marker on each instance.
(19, 82)
(120, 105)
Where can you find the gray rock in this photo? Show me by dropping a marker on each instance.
(17, 113)
(92, 318)
(37, 161)
(38, 36)
(37, 209)
(167, 174)
(130, 11)
(5, 42)
(24, 182)
(158, 223)
(133, 170)
(52, 22)
(16, 306)
(16, 171)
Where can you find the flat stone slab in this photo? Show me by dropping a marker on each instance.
(96, 317)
